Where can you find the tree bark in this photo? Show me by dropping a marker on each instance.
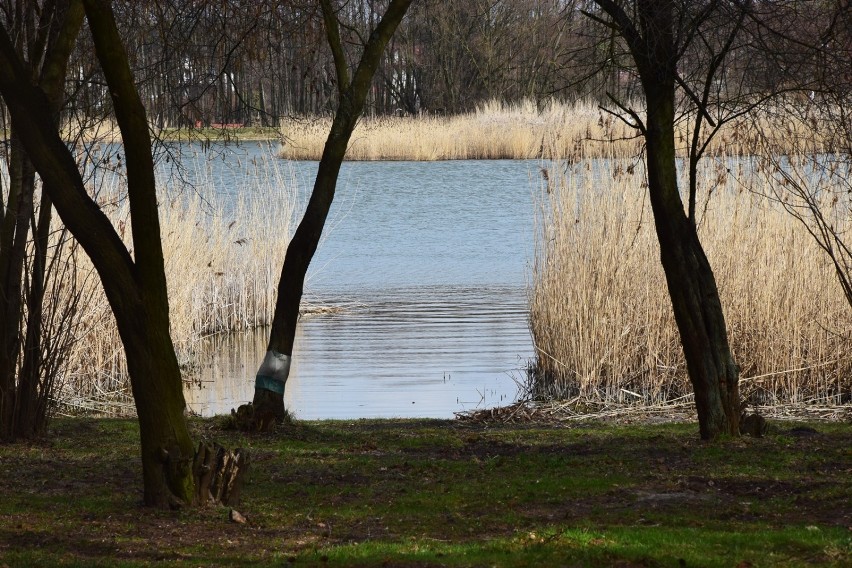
(143, 319)
(691, 283)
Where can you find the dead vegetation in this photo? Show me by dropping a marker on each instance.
(565, 412)
(601, 317)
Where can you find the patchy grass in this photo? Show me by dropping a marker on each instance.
(444, 493)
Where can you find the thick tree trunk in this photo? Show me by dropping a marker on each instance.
(691, 284)
(650, 35)
(167, 449)
(135, 288)
(692, 288)
(142, 309)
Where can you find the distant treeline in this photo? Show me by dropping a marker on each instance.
(203, 62)
(252, 62)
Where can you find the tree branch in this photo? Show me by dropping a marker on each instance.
(332, 32)
(133, 123)
(699, 104)
(639, 124)
(631, 35)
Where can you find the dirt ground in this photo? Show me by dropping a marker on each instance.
(365, 492)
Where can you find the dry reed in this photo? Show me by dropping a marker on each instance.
(601, 318)
(599, 311)
(222, 257)
(505, 131)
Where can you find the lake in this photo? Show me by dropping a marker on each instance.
(428, 263)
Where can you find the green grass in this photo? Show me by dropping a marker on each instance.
(443, 493)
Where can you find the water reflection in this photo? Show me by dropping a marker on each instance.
(452, 349)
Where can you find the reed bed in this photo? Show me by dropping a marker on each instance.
(496, 130)
(601, 317)
(223, 257)
(493, 131)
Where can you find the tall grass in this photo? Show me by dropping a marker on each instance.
(223, 256)
(601, 317)
(504, 131)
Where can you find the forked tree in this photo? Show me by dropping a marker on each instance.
(135, 285)
(353, 87)
(657, 34)
(708, 64)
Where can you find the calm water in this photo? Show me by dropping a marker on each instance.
(429, 261)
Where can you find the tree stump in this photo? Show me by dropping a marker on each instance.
(219, 474)
(260, 417)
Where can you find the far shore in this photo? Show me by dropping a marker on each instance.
(494, 131)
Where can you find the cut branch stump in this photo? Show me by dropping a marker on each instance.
(219, 474)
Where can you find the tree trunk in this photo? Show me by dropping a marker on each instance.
(268, 404)
(273, 373)
(142, 309)
(167, 449)
(691, 284)
(13, 240)
(33, 386)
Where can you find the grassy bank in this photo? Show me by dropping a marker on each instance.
(600, 313)
(444, 493)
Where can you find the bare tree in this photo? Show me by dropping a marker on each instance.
(657, 35)
(135, 285)
(806, 139)
(353, 87)
(701, 66)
